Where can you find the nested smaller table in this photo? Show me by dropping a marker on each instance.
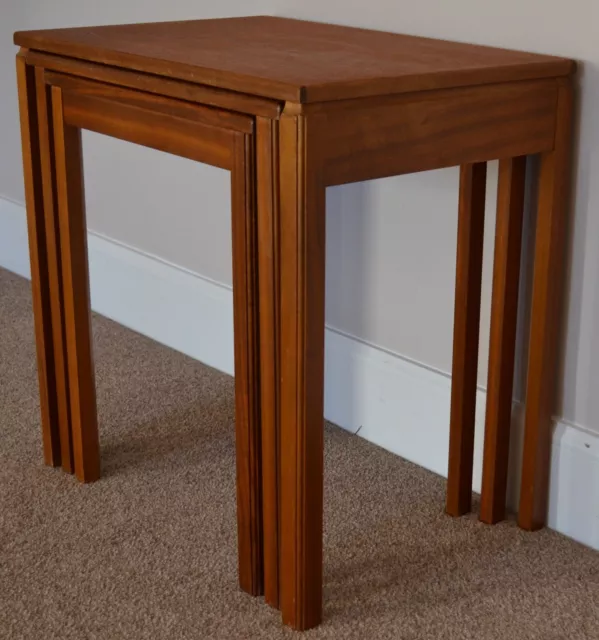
(58, 97)
(290, 108)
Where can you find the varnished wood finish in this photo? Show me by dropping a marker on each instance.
(410, 133)
(471, 224)
(302, 240)
(152, 129)
(504, 316)
(210, 96)
(268, 258)
(554, 181)
(293, 60)
(247, 366)
(151, 102)
(358, 105)
(77, 313)
(54, 267)
(222, 142)
(40, 286)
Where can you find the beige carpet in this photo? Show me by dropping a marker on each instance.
(150, 550)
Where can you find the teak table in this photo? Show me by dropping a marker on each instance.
(290, 108)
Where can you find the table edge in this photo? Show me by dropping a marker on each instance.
(554, 67)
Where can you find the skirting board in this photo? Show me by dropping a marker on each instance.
(391, 401)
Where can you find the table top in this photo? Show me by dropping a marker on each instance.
(293, 60)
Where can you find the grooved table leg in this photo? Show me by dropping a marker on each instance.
(268, 232)
(547, 284)
(504, 316)
(75, 275)
(302, 241)
(40, 284)
(54, 267)
(247, 367)
(471, 223)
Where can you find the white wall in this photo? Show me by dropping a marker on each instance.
(10, 167)
(391, 243)
(380, 234)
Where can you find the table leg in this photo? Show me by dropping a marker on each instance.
(54, 266)
(547, 280)
(504, 316)
(471, 223)
(40, 285)
(267, 158)
(77, 311)
(302, 254)
(247, 366)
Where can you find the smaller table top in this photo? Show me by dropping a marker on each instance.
(293, 60)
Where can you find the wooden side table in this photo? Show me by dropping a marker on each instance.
(329, 105)
(59, 97)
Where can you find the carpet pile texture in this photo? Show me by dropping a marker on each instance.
(149, 551)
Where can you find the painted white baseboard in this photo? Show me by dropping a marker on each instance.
(14, 247)
(180, 309)
(398, 404)
(404, 407)
(165, 302)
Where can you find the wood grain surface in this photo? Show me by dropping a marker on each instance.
(358, 105)
(77, 309)
(435, 129)
(548, 275)
(158, 85)
(48, 169)
(247, 365)
(302, 242)
(466, 326)
(267, 177)
(502, 347)
(151, 102)
(150, 128)
(40, 284)
(291, 59)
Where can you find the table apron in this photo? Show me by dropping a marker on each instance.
(179, 136)
(202, 114)
(432, 130)
(202, 94)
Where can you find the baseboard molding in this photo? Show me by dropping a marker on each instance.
(14, 247)
(403, 407)
(395, 403)
(165, 302)
(173, 306)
